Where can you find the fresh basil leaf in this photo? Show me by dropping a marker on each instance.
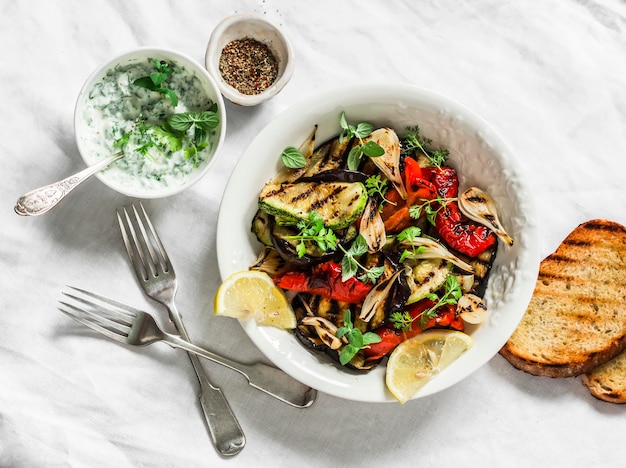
(293, 158)
(170, 94)
(363, 129)
(145, 82)
(371, 338)
(207, 120)
(181, 122)
(354, 158)
(373, 149)
(348, 267)
(347, 353)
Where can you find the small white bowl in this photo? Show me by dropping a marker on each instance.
(92, 126)
(246, 25)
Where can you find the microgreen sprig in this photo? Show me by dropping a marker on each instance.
(451, 294)
(429, 208)
(414, 142)
(155, 81)
(376, 185)
(356, 340)
(350, 266)
(370, 149)
(313, 230)
(410, 234)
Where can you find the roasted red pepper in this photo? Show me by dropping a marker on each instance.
(389, 339)
(325, 280)
(395, 214)
(412, 172)
(444, 178)
(461, 233)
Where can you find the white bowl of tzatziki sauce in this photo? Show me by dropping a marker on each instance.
(162, 110)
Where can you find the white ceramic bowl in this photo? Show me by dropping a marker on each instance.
(94, 148)
(482, 159)
(257, 27)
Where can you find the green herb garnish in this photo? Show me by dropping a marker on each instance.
(156, 80)
(350, 266)
(313, 230)
(293, 158)
(451, 294)
(376, 185)
(413, 142)
(429, 208)
(370, 149)
(356, 340)
(172, 134)
(410, 234)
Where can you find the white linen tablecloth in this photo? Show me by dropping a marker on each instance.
(549, 76)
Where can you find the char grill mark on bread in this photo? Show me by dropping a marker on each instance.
(576, 319)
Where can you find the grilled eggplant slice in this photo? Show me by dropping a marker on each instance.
(262, 227)
(482, 267)
(339, 204)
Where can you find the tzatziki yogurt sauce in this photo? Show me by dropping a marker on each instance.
(115, 107)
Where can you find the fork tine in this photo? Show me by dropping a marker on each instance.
(166, 264)
(121, 309)
(88, 323)
(98, 315)
(142, 267)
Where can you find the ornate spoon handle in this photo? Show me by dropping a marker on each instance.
(43, 199)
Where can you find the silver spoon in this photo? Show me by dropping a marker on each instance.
(43, 199)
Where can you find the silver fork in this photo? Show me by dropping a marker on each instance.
(157, 278)
(132, 326)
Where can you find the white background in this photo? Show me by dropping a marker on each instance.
(549, 76)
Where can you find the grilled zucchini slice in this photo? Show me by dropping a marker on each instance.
(339, 204)
(428, 276)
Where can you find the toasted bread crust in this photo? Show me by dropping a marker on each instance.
(608, 381)
(576, 319)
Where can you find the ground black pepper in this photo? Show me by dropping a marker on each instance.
(248, 65)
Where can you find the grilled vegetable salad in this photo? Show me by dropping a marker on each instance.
(373, 243)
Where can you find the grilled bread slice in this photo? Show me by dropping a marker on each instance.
(608, 381)
(576, 319)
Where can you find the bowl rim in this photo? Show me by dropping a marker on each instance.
(275, 345)
(127, 56)
(213, 50)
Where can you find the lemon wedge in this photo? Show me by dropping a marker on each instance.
(253, 295)
(417, 360)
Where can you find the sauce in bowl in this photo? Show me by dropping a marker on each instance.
(114, 113)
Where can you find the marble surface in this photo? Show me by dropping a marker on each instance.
(549, 78)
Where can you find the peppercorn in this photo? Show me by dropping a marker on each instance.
(248, 65)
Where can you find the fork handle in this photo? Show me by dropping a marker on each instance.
(268, 379)
(225, 431)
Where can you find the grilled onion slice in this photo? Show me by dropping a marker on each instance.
(478, 206)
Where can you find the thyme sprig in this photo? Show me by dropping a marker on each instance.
(414, 142)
